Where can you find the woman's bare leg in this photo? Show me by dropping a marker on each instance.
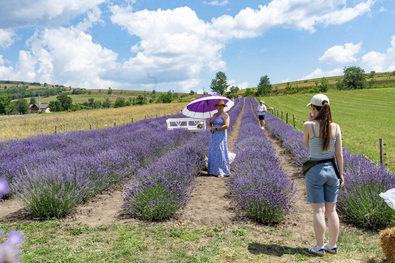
(319, 222)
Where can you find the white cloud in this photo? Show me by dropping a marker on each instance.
(341, 54)
(174, 46)
(380, 62)
(293, 14)
(345, 14)
(63, 56)
(6, 38)
(318, 73)
(27, 13)
(219, 3)
(241, 86)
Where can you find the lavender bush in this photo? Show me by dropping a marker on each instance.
(259, 185)
(52, 174)
(359, 200)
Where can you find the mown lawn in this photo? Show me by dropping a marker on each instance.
(54, 241)
(364, 117)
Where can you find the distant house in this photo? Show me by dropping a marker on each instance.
(35, 108)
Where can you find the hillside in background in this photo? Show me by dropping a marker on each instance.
(48, 92)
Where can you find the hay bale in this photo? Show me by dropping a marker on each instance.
(387, 237)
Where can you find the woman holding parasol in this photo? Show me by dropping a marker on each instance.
(218, 159)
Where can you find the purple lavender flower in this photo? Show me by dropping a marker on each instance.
(10, 250)
(4, 189)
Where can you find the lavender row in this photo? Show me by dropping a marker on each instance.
(359, 200)
(52, 174)
(159, 190)
(259, 185)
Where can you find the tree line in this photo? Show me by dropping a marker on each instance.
(353, 78)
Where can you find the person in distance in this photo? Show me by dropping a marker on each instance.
(261, 114)
(323, 136)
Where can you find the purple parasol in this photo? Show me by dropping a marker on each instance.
(202, 107)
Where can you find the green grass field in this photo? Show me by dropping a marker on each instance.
(363, 115)
(54, 241)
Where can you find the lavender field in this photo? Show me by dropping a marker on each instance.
(53, 174)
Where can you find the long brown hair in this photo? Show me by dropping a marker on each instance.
(324, 116)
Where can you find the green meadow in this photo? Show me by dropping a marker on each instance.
(54, 241)
(364, 116)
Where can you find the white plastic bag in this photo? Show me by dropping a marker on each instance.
(232, 157)
(389, 197)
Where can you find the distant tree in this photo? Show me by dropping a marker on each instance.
(91, 102)
(166, 98)
(97, 104)
(139, 100)
(120, 102)
(354, 78)
(220, 84)
(55, 106)
(5, 103)
(324, 85)
(248, 93)
(264, 86)
(109, 91)
(192, 92)
(22, 106)
(65, 101)
(234, 90)
(33, 100)
(106, 103)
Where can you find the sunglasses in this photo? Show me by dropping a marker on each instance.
(223, 105)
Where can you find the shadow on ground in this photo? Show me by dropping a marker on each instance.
(276, 250)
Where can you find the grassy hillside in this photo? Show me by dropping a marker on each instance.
(377, 80)
(86, 94)
(364, 117)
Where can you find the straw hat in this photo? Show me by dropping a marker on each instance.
(220, 101)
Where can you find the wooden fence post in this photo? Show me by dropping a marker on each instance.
(293, 116)
(381, 152)
(115, 124)
(286, 117)
(132, 120)
(90, 126)
(282, 119)
(55, 129)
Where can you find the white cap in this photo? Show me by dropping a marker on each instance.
(262, 101)
(317, 100)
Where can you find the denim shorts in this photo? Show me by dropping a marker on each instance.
(322, 184)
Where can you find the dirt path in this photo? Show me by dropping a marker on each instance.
(210, 204)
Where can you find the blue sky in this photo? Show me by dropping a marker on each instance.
(181, 44)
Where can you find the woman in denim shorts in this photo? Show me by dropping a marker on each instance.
(323, 137)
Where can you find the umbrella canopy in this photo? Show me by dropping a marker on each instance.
(202, 107)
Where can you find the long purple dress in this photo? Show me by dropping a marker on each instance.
(218, 159)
